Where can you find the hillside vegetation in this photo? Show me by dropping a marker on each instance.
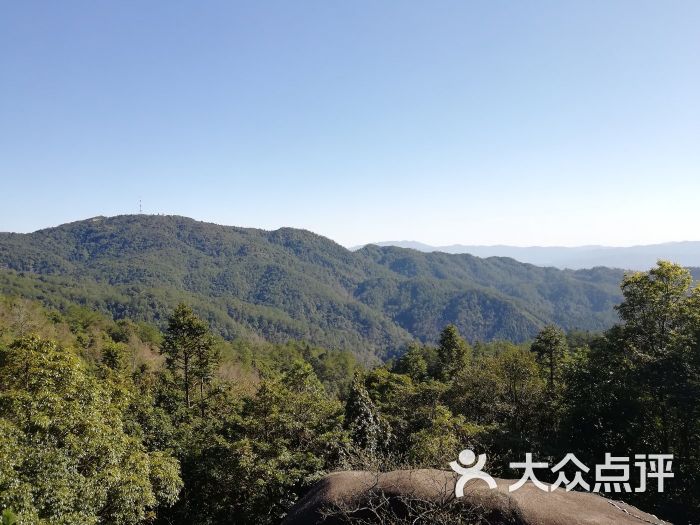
(107, 423)
(291, 284)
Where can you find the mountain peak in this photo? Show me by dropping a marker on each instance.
(294, 284)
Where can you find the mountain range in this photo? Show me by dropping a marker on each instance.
(640, 257)
(294, 284)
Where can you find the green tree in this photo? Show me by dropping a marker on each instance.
(441, 437)
(519, 374)
(65, 455)
(8, 517)
(661, 322)
(550, 347)
(637, 390)
(413, 363)
(453, 352)
(253, 467)
(190, 352)
(115, 356)
(476, 395)
(367, 429)
(657, 310)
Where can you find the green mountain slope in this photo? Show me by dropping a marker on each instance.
(294, 284)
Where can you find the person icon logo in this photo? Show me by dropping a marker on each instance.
(469, 468)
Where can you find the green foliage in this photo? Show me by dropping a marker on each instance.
(294, 285)
(637, 390)
(115, 355)
(66, 456)
(453, 352)
(367, 429)
(271, 438)
(102, 433)
(658, 310)
(190, 353)
(282, 439)
(413, 363)
(8, 517)
(550, 347)
(440, 439)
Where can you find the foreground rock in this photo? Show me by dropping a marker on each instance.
(365, 495)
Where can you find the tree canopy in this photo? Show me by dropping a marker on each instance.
(98, 427)
(66, 455)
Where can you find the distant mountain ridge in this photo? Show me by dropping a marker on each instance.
(294, 284)
(640, 257)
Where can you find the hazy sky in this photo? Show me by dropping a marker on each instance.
(447, 122)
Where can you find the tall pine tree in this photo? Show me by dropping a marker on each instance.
(367, 429)
(453, 352)
(189, 351)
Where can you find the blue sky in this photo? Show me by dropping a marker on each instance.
(447, 122)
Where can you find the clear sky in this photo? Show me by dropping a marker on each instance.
(488, 122)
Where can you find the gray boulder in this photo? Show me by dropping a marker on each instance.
(376, 498)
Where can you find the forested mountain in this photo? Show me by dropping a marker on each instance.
(293, 284)
(639, 258)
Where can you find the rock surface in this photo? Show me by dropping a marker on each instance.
(527, 505)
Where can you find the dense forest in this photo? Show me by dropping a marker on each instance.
(109, 421)
(292, 284)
